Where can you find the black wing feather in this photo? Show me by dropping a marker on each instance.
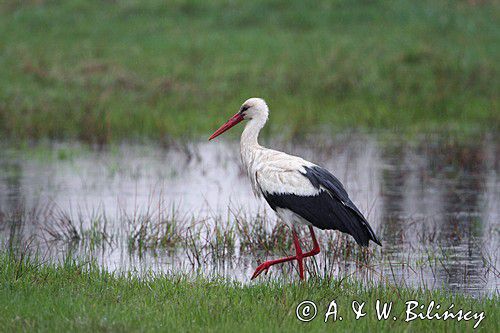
(330, 209)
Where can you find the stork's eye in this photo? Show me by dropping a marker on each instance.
(244, 108)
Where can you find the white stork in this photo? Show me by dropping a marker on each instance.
(300, 192)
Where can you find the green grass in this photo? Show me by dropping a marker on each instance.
(102, 71)
(72, 297)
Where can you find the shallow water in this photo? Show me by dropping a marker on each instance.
(434, 201)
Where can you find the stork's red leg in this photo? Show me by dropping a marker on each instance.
(266, 264)
(315, 249)
(298, 255)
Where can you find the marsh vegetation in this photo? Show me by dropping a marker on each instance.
(435, 207)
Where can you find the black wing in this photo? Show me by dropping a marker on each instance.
(330, 209)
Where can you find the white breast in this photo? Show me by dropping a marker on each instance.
(272, 171)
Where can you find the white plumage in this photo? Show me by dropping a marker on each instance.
(270, 170)
(300, 192)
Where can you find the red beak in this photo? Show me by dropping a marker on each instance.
(230, 123)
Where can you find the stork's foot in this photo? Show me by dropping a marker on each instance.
(264, 267)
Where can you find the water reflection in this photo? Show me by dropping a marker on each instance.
(435, 201)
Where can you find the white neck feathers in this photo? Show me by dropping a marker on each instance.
(250, 134)
(250, 149)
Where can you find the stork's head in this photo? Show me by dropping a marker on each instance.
(253, 108)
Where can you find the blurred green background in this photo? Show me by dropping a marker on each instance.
(101, 71)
